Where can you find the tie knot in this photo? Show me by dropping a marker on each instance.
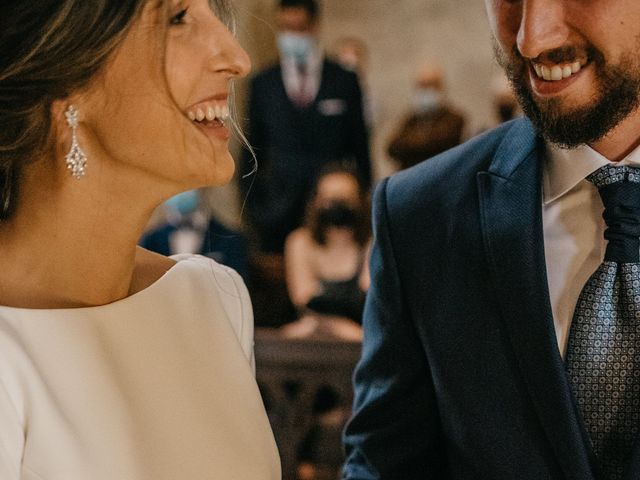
(619, 188)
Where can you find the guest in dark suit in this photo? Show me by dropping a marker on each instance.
(471, 343)
(303, 113)
(190, 228)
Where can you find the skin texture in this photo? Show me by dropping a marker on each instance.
(553, 32)
(72, 243)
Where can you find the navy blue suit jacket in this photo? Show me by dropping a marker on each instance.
(292, 145)
(461, 376)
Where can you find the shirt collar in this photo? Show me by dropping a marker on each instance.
(565, 168)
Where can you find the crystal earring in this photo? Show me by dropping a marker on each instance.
(76, 159)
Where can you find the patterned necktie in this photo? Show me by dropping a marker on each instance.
(604, 341)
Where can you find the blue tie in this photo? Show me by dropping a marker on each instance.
(603, 354)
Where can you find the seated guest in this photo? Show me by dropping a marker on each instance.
(190, 228)
(326, 259)
(431, 127)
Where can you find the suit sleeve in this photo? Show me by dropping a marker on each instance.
(359, 136)
(395, 430)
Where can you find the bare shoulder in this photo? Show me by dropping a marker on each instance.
(149, 268)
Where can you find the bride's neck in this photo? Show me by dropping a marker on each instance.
(71, 243)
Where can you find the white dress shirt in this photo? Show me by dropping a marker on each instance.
(573, 227)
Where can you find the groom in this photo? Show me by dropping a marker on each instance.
(490, 350)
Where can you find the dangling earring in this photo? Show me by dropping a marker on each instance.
(76, 158)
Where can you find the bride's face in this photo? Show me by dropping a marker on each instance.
(160, 108)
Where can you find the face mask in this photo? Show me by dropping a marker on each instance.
(184, 203)
(337, 214)
(427, 99)
(295, 45)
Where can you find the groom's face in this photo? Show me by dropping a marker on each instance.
(574, 64)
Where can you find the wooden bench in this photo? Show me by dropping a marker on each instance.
(290, 374)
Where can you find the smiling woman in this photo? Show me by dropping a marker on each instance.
(115, 362)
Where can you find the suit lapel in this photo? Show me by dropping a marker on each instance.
(511, 209)
(324, 82)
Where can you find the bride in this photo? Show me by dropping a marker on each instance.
(116, 363)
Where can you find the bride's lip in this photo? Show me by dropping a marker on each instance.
(218, 98)
(210, 115)
(215, 129)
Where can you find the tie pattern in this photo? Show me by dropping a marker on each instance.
(604, 341)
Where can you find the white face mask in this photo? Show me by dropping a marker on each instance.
(297, 46)
(427, 99)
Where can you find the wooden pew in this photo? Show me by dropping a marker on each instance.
(290, 374)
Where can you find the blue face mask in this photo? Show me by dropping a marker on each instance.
(297, 46)
(184, 203)
(427, 99)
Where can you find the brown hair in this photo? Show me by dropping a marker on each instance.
(310, 6)
(48, 49)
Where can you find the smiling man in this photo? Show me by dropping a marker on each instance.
(502, 327)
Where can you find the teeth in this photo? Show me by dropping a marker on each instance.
(557, 72)
(210, 113)
(538, 70)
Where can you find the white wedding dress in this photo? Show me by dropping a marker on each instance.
(157, 386)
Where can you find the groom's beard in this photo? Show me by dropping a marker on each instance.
(617, 95)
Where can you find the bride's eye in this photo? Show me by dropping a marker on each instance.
(178, 19)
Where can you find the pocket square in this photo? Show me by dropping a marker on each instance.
(332, 107)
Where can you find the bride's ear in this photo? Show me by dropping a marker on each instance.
(59, 126)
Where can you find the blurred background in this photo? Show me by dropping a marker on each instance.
(400, 36)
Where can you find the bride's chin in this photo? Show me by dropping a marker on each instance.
(214, 170)
(224, 168)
